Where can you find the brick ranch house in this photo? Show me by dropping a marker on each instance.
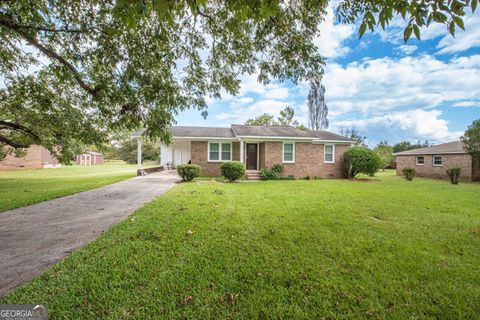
(36, 157)
(302, 152)
(431, 162)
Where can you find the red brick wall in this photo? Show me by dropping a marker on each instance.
(200, 157)
(428, 170)
(32, 160)
(308, 160)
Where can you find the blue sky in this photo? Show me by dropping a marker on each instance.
(422, 90)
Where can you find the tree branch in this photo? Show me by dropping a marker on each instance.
(18, 127)
(32, 40)
(16, 26)
(12, 143)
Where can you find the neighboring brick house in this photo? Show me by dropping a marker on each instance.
(431, 162)
(89, 158)
(36, 157)
(302, 152)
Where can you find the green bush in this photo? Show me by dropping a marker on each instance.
(277, 168)
(286, 178)
(232, 170)
(360, 160)
(409, 173)
(454, 174)
(268, 174)
(188, 171)
(273, 173)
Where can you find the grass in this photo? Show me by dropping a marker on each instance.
(23, 187)
(331, 249)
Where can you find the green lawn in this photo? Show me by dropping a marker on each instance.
(23, 187)
(280, 249)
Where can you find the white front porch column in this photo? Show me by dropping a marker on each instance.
(160, 154)
(139, 153)
(241, 151)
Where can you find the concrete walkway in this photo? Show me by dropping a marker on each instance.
(34, 238)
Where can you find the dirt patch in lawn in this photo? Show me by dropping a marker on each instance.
(364, 180)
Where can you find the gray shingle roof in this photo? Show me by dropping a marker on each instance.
(208, 132)
(290, 132)
(238, 130)
(449, 147)
(267, 131)
(327, 135)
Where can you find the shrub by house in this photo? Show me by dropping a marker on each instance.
(188, 171)
(454, 174)
(409, 173)
(232, 170)
(360, 160)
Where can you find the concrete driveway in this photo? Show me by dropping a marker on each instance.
(34, 238)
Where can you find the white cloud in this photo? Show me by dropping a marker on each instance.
(276, 92)
(464, 40)
(333, 35)
(392, 96)
(386, 84)
(244, 100)
(407, 49)
(249, 83)
(241, 114)
(467, 103)
(399, 98)
(413, 124)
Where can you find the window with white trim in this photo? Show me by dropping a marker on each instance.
(437, 160)
(226, 151)
(288, 152)
(420, 160)
(329, 153)
(219, 151)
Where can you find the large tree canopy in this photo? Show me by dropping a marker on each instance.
(74, 71)
(471, 139)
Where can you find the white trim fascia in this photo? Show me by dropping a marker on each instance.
(283, 151)
(332, 141)
(219, 151)
(213, 139)
(263, 138)
(274, 138)
(427, 154)
(234, 132)
(333, 152)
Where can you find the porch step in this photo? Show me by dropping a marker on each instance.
(253, 175)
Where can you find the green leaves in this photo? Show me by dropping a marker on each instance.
(407, 33)
(459, 22)
(439, 17)
(363, 28)
(418, 14)
(474, 4)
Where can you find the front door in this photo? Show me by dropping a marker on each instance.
(252, 153)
